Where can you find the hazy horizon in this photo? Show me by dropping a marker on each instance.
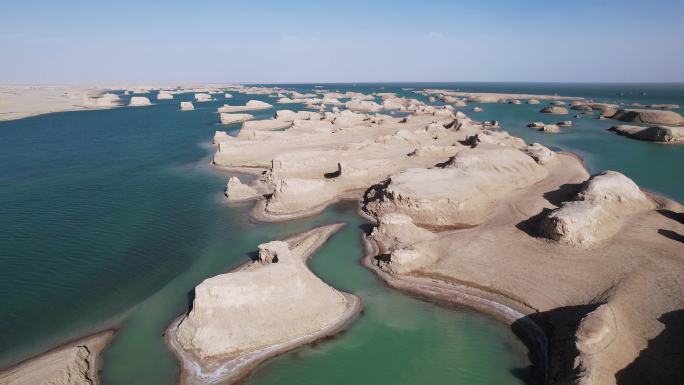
(341, 42)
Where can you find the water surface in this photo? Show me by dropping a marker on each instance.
(112, 217)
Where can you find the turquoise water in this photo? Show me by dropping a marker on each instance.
(112, 217)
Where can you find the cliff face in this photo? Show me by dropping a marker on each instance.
(273, 300)
(597, 212)
(72, 364)
(461, 194)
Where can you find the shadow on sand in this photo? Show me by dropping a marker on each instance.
(662, 361)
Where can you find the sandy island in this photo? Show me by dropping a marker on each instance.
(73, 363)
(217, 359)
(586, 268)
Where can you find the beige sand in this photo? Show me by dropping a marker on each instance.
(598, 300)
(18, 102)
(270, 338)
(74, 363)
(601, 306)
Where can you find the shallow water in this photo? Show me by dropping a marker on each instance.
(115, 215)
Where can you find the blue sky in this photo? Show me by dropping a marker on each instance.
(316, 41)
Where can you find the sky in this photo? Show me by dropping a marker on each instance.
(99, 42)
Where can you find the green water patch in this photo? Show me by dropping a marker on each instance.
(112, 217)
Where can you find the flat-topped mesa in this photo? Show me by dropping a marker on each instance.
(187, 106)
(461, 194)
(227, 118)
(348, 95)
(162, 95)
(362, 106)
(203, 97)
(236, 191)
(589, 106)
(266, 124)
(554, 110)
(252, 105)
(660, 134)
(597, 212)
(657, 117)
(402, 104)
(297, 192)
(139, 101)
(271, 301)
(450, 99)
(290, 116)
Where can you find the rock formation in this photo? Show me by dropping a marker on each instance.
(251, 105)
(139, 101)
(597, 212)
(550, 128)
(540, 154)
(236, 191)
(72, 364)
(235, 118)
(662, 134)
(459, 195)
(164, 96)
(657, 117)
(555, 110)
(362, 106)
(268, 124)
(186, 106)
(203, 97)
(460, 208)
(270, 301)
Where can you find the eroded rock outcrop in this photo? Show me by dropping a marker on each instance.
(236, 191)
(658, 117)
(362, 106)
(271, 301)
(139, 101)
(164, 96)
(549, 128)
(203, 97)
(227, 118)
(597, 212)
(187, 106)
(461, 194)
(554, 110)
(540, 154)
(662, 134)
(72, 364)
(251, 105)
